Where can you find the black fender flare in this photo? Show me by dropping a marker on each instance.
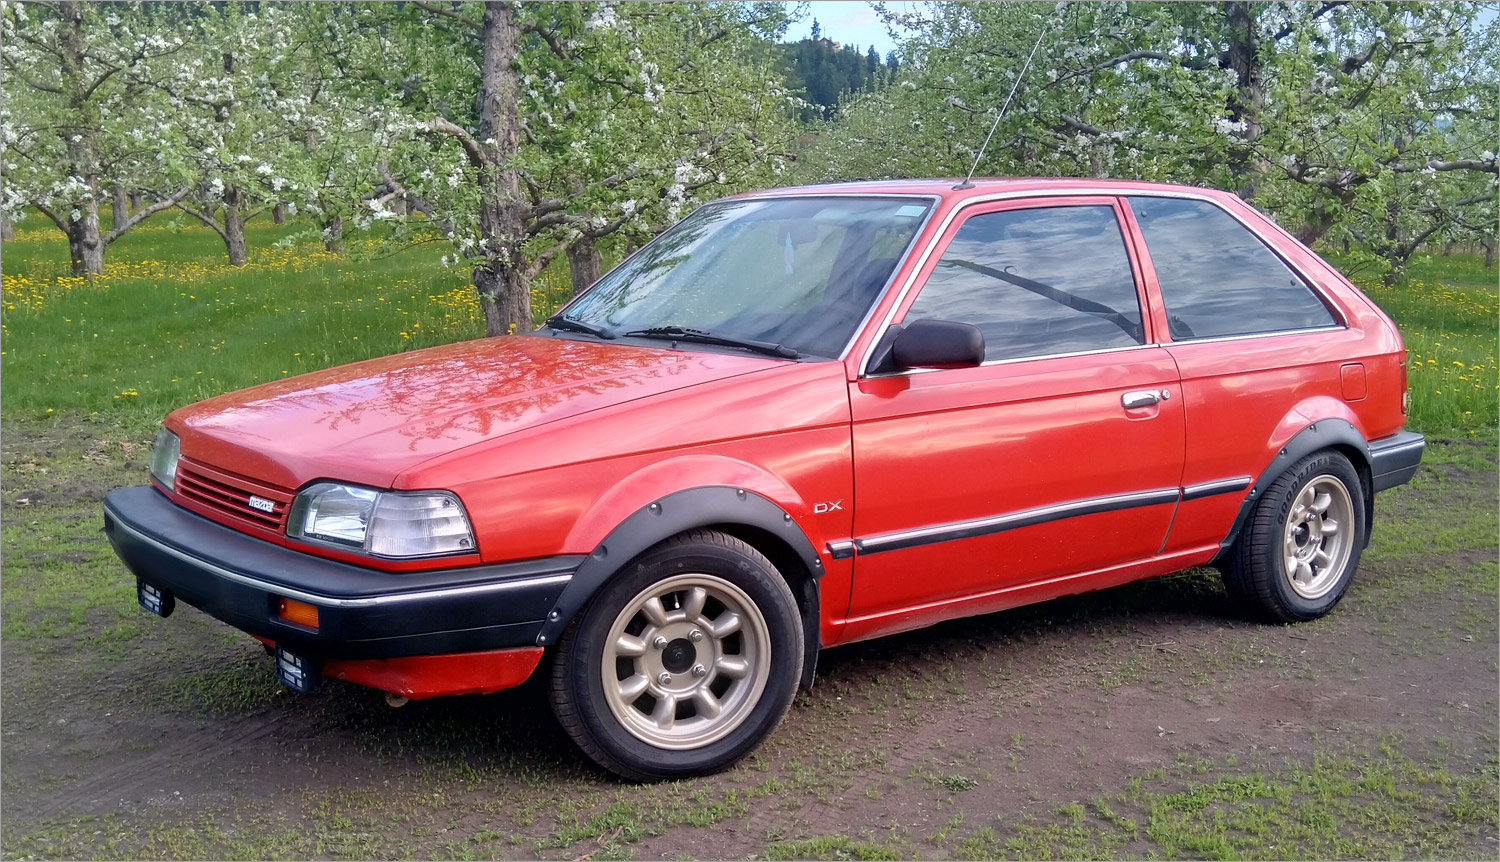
(680, 511)
(1319, 435)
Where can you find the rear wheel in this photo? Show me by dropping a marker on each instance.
(683, 662)
(1298, 550)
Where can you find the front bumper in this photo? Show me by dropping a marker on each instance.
(1394, 459)
(362, 613)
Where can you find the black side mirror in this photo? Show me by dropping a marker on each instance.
(938, 344)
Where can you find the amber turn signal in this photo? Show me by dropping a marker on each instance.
(301, 613)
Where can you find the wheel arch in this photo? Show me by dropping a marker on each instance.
(740, 512)
(1332, 433)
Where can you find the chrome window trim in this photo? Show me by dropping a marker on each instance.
(1094, 191)
(333, 602)
(1210, 339)
(906, 372)
(934, 201)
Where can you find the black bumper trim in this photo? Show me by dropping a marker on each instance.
(350, 602)
(1395, 459)
(363, 612)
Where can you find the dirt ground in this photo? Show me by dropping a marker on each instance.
(1149, 720)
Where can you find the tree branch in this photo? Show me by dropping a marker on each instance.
(208, 220)
(146, 212)
(475, 151)
(417, 203)
(449, 13)
(42, 208)
(1489, 167)
(540, 262)
(1322, 10)
(548, 36)
(1195, 63)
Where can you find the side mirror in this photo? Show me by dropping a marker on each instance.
(938, 344)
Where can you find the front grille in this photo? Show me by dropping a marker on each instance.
(228, 494)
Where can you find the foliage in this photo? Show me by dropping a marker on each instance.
(1367, 121)
(79, 116)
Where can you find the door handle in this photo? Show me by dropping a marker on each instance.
(1143, 398)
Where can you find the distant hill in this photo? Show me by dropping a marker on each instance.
(825, 70)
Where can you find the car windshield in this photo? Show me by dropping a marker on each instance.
(795, 272)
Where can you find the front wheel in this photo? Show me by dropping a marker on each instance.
(1301, 544)
(683, 663)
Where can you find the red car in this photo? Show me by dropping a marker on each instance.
(797, 419)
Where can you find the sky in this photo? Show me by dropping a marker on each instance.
(848, 21)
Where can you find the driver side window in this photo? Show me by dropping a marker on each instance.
(1037, 282)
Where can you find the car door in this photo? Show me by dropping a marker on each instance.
(1252, 340)
(1061, 454)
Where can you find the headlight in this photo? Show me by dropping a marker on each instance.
(164, 454)
(381, 523)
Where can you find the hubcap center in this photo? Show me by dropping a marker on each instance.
(679, 655)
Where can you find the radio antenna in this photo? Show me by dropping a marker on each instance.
(966, 184)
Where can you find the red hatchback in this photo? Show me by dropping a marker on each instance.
(797, 419)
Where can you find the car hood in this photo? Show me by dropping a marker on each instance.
(368, 421)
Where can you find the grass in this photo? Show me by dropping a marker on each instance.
(1447, 309)
(170, 322)
(1354, 802)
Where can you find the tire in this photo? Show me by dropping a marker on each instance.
(1298, 550)
(699, 643)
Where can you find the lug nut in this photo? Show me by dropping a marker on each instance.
(660, 642)
(695, 636)
(700, 671)
(664, 678)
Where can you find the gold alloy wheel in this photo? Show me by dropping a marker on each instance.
(1318, 536)
(686, 661)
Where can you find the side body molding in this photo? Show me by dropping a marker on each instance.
(716, 505)
(1322, 434)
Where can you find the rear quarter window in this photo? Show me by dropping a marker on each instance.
(1217, 278)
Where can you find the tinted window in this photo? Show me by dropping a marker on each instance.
(1216, 277)
(798, 271)
(1037, 282)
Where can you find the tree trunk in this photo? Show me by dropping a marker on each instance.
(1313, 229)
(333, 235)
(1248, 99)
(85, 245)
(1489, 255)
(119, 209)
(234, 225)
(137, 200)
(399, 207)
(584, 264)
(7, 230)
(278, 213)
(501, 281)
(505, 298)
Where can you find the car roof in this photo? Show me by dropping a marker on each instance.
(984, 186)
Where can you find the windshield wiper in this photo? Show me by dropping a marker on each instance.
(678, 333)
(563, 321)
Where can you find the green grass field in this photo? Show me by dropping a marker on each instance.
(171, 322)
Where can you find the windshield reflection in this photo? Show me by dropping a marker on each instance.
(800, 272)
